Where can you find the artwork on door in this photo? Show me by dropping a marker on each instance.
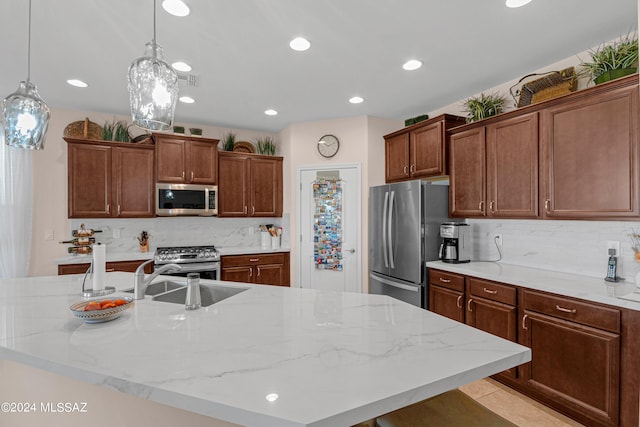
(327, 224)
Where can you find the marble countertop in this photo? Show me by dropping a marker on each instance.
(331, 358)
(622, 294)
(135, 255)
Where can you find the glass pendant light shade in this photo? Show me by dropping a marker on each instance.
(26, 118)
(153, 90)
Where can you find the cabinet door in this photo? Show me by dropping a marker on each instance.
(446, 302)
(467, 174)
(495, 318)
(270, 274)
(233, 185)
(132, 182)
(171, 159)
(427, 151)
(202, 162)
(266, 187)
(396, 152)
(573, 368)
(89, 181)
(512, 167)
(590, 156)
(244, 274)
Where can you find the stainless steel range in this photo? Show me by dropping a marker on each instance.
(193, 259)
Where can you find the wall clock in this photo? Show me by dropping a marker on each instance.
(328, 146)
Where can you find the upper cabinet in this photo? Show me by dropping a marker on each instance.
(419, 150)
(590, 156)
(110, 179)
(249, 185)
(185, 159)
(572, 157)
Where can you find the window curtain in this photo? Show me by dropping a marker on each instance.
(15, 210)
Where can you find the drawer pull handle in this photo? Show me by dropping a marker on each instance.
(481, 206)
(254, 259)
(566, 310)
(491, 206)
(524, 321)
(412, 168)
(469, 304)
(258, 271)
(109, 270)
(445, 280)
(250, 271)
(489, 291)
(458, 303)
(547, 204)
(404, 170)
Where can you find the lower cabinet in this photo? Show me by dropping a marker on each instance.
(446, 294)
(575, 365)
(263, 269)
(127, 266)
(584, 355)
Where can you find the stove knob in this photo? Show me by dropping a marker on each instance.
(207, 254)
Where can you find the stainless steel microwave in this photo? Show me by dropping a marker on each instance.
(186, 199)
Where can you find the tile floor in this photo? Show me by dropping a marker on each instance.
(514, 406)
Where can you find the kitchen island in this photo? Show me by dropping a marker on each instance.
(268, 356)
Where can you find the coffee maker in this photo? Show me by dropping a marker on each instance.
(456, 242)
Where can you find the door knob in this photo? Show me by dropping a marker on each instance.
(351, 250)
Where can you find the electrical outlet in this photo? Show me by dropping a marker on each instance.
(498, 239)
(613, 244)
(48, 234)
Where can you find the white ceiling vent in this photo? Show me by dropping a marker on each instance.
(190, 80)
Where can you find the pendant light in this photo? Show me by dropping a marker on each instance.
(153, 87)
(26, 115)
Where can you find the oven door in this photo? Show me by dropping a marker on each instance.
(207, 270)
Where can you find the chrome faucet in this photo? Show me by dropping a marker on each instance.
(140, 282)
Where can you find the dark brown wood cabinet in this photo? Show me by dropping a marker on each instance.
(420, 150)
(263, 269)
(249, 185)
(109, 179)
(186, 159)
(575, 365)
(590, 155)
(127, 266)
(446, 294)
(491, 307)
(494, 169)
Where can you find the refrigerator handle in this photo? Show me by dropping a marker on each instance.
(395, 284)
(384, 229)
(390, 230)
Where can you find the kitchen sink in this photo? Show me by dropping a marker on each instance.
(161, 287)
(209, 294)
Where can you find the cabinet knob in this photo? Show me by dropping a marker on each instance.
(459, 301)
(469, 304)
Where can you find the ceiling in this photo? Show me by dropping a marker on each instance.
(239, 51)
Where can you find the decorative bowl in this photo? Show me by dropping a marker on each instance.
(98, 316)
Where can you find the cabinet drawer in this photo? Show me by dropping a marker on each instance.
(491, 291)
(580, 312)
(255, 259)
(446, 280)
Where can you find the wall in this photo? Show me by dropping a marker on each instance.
(50, 185)
(361, 141)
(578, 247)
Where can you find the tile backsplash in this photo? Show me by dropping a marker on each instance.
(578, 247)
(120, 234)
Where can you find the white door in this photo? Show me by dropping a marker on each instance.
(341, 246)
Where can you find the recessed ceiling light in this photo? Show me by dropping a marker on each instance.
(300, 44)
(356, 100)
(187, 99)
(270, 112)
(516, 3)
(412, 64)
(77, 83)
(271, 397)
(176, 7)
(181, 66)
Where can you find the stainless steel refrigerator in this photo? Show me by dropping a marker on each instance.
(404, 233)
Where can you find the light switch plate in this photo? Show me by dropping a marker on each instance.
(49, 234)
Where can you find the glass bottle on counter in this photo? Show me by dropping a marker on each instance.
(193, 301)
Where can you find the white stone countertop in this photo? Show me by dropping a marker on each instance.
(333, 359)
(135, 255)
(621, 294)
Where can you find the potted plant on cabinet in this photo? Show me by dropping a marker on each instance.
(612, 61)
(266, 146)
(483, 106)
